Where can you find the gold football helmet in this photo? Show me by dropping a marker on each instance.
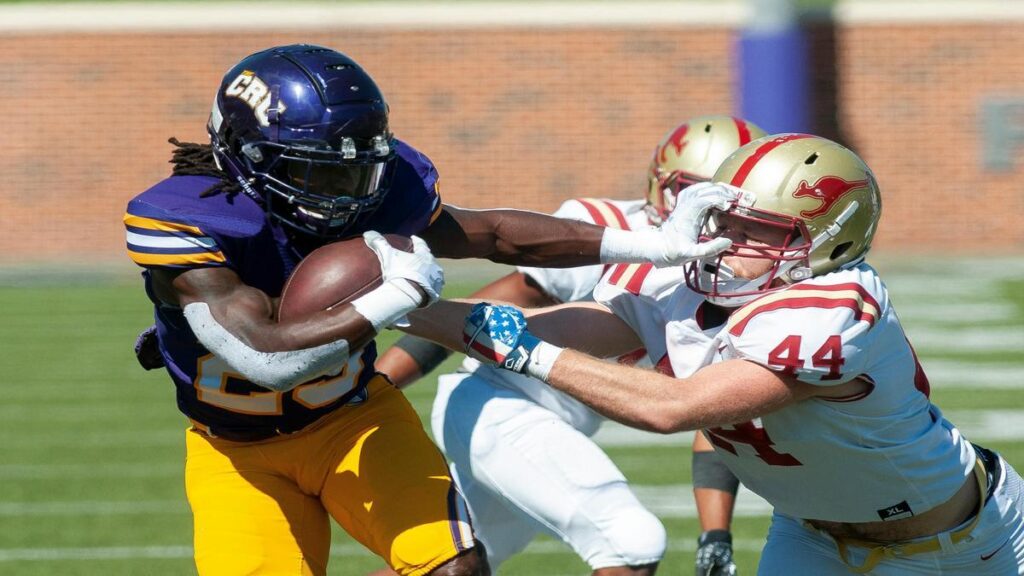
(807, 205)
(691, 153)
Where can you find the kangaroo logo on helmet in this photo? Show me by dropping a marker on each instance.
(248, 88)
(676, 139)
(829, 190)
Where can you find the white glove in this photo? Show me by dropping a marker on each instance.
(418, 266)
(406, 276)
(675, 242)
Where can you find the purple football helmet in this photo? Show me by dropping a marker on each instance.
(304, 129)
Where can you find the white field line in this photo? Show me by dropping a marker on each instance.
(337, 550)
(934, 341)
(93, 508)
(83, 471)
(955, 374)
(916, 309)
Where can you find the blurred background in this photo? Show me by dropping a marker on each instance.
(519, 104)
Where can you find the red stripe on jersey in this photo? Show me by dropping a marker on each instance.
(860, 290)
(811, 302)
(595, 213)
(620, 269)
(748, 165)
(743, 130)
(637, 280)
(619, 216)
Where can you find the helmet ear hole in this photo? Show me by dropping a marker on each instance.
(838, 251)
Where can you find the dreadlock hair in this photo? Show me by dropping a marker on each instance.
(194, 159)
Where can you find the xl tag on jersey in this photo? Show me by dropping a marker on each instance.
(896, 512)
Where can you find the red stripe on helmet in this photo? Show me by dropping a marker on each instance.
(748, 165)
(743, 130)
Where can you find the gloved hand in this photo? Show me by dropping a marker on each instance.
(498, 335)
(714, 554)
(681, 230)
(675, 242)
(147, 349)
(417, 267)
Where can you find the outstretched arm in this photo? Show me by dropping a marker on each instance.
(534, 239)
(412, 357)
(586, 326)
(717, 395)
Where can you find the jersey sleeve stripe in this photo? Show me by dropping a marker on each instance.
(160, 225)
(437, 209)
(595, 213)
(636, 280)
(176, 259)
(171, 241)
(864, 310)
(617, 273)
(618, 219)
(630, 277)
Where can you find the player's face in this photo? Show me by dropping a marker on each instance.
(756, 245)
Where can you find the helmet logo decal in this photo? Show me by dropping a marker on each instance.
(248, 88)
(676, 139)
(828, 189)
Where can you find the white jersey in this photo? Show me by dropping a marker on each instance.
(568, 285)
(884, 454)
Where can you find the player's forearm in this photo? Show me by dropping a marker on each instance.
(441, 322)
(514, 237)
(640, 398)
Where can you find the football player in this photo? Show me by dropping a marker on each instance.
(291, 424)
(786, 350)
(521, 453)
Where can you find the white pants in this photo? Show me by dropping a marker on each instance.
(994, 548)
(523, 471)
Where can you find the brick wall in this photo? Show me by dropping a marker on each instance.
(512, 117)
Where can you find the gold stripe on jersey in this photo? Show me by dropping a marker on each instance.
(199, 258)
(621, 280)
(161, 225)
(806, 297)
(611, 218)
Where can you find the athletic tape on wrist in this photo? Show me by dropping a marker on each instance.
(386, 305)
(542, 358)
(629, 245)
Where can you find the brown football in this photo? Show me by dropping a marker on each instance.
(333, 274)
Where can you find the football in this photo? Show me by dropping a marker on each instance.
(333, 274)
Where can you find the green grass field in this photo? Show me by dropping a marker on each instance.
(92, 451)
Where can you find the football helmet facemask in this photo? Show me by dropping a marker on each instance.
(691, 153)
(806, 206)
(304, 129)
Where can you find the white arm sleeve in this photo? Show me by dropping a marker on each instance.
(278, 371)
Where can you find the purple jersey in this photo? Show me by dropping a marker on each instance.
(172, 226)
